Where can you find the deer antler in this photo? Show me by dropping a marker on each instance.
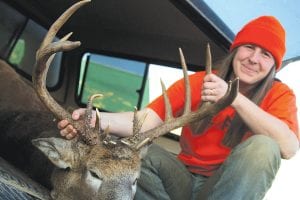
(44, 56)
(170, 123)
(195, 126)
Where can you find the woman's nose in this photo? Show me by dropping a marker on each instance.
(254, 56)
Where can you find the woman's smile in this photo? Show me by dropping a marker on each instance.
(248, 70)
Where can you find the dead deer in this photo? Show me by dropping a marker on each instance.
(93, 165)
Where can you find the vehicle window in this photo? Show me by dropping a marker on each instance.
(11, 22)
(23, 53)
(119, 80)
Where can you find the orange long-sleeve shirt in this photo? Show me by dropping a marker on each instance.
(204, 153)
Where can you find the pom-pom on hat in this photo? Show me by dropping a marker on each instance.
(266, 32)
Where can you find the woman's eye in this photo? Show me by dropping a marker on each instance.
(267, 54)
(249, 46)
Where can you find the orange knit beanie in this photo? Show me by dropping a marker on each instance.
(266, 32)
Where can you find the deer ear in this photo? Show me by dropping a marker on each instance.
(57, 150)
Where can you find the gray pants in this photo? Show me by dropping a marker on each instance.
(247, 174)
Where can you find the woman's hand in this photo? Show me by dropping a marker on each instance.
(67, 130)
(120, 124)
(213, 89)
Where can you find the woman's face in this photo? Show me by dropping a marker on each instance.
(252, 63)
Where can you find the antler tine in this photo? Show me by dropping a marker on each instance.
(65, 38)
(227, 99)
(135, 127)
(88, 111)
(137, 123)
(208, 67)
(98, 121)
(89, 136)
(56, 26)
(187, 105)
(168, 108)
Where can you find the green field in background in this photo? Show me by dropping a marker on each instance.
(118, 87)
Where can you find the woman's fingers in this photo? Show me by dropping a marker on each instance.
(70, 136)
(68, 130)
(213, 88)
(209, 92)
(209, 95)
(78, 113)
(62, 124)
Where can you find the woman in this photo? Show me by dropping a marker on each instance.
(235, 154)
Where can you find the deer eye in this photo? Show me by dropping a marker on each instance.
(67, 169)
(94, 174)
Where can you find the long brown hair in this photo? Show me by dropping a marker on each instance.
(237, 128)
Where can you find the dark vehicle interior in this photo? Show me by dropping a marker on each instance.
(142, 31)
(122, 42)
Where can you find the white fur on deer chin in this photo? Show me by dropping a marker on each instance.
(134, 187)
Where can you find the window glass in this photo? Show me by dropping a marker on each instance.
(23, 53)
(11, 22)
(118, 79)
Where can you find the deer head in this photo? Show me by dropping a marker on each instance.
(94, 165)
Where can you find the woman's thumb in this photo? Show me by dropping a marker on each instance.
(77, 113)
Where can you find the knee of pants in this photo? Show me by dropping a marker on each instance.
(153, 158)
(260, 149)
(158, 156)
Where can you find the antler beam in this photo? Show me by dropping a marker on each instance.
(44, 56)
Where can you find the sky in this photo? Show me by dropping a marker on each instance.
(236, 13)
